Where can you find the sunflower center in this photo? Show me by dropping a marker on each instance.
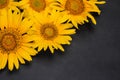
(74, 6)
(49, 31)
(38, 5)
(8, 42)
(3, 3)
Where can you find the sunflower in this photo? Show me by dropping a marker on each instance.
(50, 32)
(77, 11)
(6, 4)
(35, 7)
(15, 44)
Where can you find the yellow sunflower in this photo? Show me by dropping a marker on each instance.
(34, 7)
(5, 5)
(50, 33)
(15, 44)
(77, 11)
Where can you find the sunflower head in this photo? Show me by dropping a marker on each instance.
(15, 43)
(51, 33)
(78, 11)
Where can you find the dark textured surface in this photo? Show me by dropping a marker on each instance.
(93, 55)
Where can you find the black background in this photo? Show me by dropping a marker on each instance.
(93, 55)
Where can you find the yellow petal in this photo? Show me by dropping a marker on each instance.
(75, 24)
(69, 32)
(101, 2)
(24, 55)
(92, 18)
(31, 51)
(20, 58)
(10, 18)
(10, 61)
(60, 47)
(16, 63)
(1, 57)
(51, 49)
(4, 61)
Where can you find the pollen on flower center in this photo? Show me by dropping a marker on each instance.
(3, 3)
(8, 42)
(74, 6)
(37, 5)
(49, 31)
